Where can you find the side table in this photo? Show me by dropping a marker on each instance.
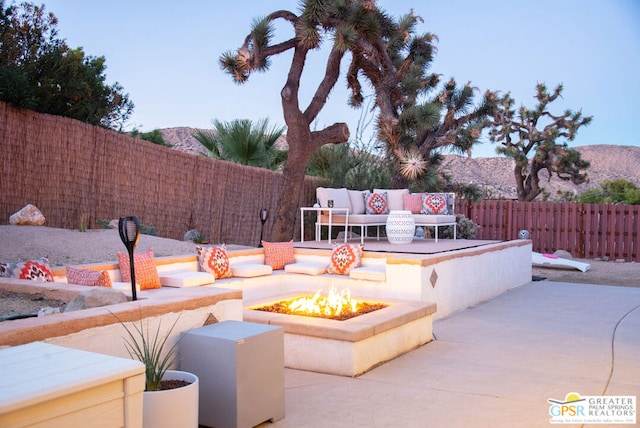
(319, 222)
(241, 370)
(400, 227)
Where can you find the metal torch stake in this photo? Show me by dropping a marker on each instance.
(129, 228)
(264, 215)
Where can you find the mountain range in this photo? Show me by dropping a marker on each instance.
(494, 175)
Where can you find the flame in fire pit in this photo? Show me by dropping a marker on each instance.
(333, 304)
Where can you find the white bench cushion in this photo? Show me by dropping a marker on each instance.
(250, 270)
(186, 279)
(308, 268)
(370, 273)
(123, 285)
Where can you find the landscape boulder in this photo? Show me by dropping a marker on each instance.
(563, 254)
(191, 235)
(29, 215)
(96, 297)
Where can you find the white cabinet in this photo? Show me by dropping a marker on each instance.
(46, 385)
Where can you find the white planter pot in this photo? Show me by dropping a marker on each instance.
(400, 227)
(173, 407)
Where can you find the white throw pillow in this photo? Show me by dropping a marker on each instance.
(340, 197)
(357, 201)
(394, 198)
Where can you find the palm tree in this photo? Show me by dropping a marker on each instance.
(241, 141)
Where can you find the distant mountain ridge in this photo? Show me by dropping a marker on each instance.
(495, 175)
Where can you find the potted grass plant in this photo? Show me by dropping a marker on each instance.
(171, 397)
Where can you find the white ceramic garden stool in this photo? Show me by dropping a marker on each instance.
(400, 227)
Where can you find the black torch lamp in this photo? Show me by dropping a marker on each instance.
(264, 215)
(129, 228)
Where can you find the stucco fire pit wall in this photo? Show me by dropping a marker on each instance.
(97, 330)
(351, 347)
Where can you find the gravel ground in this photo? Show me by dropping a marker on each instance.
(71, 247)
(601, 273)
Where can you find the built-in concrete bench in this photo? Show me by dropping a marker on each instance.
(454, 280)
(246, 266)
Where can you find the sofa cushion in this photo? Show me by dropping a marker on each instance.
(145, 269)
(214, 260)
(88, 277)
(340, 197)
(344, 258)
(413, 202)
(36, 270)
(356, 197)
(250, 270)
(186, 279)
(394, 197)
(358, 219)
(307, 268)
(376, 203)
(435, 203)
(433, 219)
(278, 254)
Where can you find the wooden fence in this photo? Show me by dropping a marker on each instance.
(585, 230)
(80, 174)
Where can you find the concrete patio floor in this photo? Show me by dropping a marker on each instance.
(493, 365)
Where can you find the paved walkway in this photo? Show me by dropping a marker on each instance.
(493, 365)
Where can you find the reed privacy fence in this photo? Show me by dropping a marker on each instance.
(78, 174)
(585, 230)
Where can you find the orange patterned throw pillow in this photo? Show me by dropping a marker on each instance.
(375, 203)
(35, 270)
(214, 260)
(88, 277)
(434, 203)
(145, 269)
(344, 258)
(278, 254)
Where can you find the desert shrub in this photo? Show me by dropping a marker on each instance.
(148, 230)
(465, 229)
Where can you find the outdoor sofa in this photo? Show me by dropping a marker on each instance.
(371, 208)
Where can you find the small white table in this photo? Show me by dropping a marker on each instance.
(319, 224)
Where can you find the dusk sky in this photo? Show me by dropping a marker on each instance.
(165, 55)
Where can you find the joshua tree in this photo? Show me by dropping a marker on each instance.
(519, 136)
(417, 131)
(384, 52)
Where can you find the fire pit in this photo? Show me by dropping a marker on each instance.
(334, 305)
(349, 347)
